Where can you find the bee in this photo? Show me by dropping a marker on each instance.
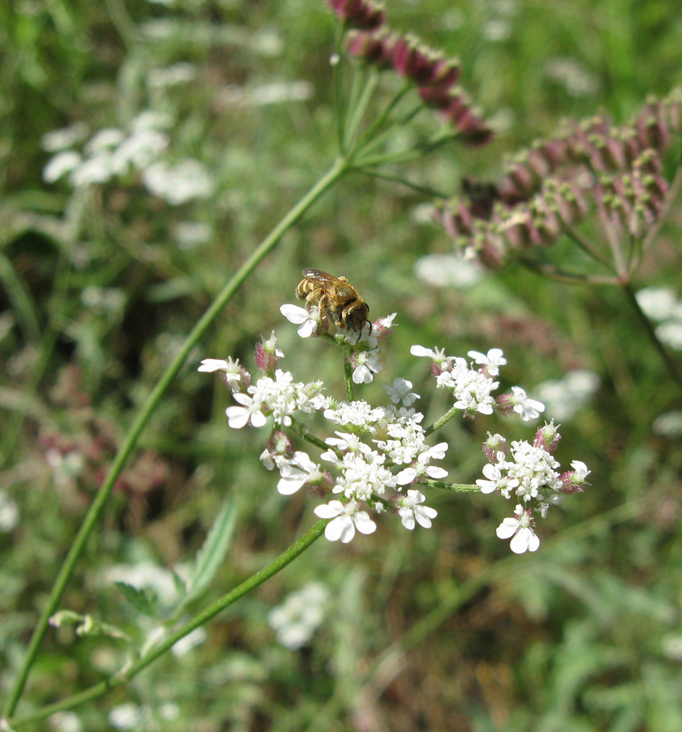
(336, 297)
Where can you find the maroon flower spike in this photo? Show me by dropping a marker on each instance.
(361, 14)
(371, 47)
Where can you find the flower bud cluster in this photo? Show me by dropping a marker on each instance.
(434, 74)
(554, 185)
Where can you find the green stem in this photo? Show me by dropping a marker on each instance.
(348, 378)
(92, 516)
(210, 612)
(442, 420)
(454, 487)
(672, 367)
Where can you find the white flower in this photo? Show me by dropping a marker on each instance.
(448, 270)
(410, 510)
(437, 355)
(9, 512)
(299, 616)
(525, 406)
(493, 476)
(658, 303)
(296, 472)
(358, 413)
(61, 164)
(282, 396)
(249, 412)
(345, 519)
(366, 364)
(523, 538)
(400, 392)
(491, 360)
(564, 397)
(347, 441)
(179, 183)
(581, 471)
(190, 641)
(421, 466)
(670, 333)
(307, 325)
(64, 138)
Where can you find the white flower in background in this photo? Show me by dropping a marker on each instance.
(300, 615)
(448, 270)
(345, 520)
(519, 530)
(130, 716)
(191, 234)
(61, 164)
(668, 424)
(145, 575)
(411, 510)
(179, 183)
(564, 397)
(658, 303)
(670, 333)
(64, 138)
(280, 91)
(573, 75)
(9, 512)
(180, 73)
(65, 722)
(307, 324)
(189, 642)
(523, 405)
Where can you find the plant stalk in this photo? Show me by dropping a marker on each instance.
(337, 170)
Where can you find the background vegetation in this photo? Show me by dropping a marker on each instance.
(437, 630)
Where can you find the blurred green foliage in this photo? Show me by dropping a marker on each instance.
(437, 630)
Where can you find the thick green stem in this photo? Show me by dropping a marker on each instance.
(93, 514)
(210, 612)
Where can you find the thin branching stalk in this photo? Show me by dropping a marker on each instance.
(339, 168)
(155, 652)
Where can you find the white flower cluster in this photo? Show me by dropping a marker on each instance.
(374, 454)
(472, 385)
(378, 457)
(528, 473)
(113, 153)
(300, 615)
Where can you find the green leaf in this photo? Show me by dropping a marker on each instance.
(213, 551)
(141, 599)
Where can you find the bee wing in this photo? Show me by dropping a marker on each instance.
(319, 274)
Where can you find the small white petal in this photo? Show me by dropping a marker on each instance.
(329, 510)
(507, 528)
(364, 523)
(209, 365)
